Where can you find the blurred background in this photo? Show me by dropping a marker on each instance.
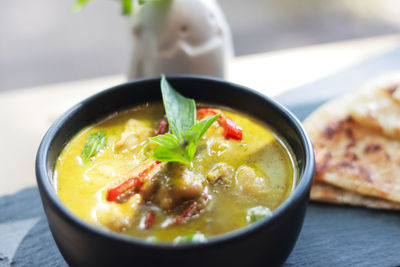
(42, 42)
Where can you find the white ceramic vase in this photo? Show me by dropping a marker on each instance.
(180, 36)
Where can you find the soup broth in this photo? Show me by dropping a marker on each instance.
(230, 184)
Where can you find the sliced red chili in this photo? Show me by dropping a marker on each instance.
(205, 112)
(149, 221)
(231, 129)
(162, 127)
(194, 209)
(130, 185)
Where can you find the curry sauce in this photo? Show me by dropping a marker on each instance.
(227, 185)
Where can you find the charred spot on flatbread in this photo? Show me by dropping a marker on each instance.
(341, 131)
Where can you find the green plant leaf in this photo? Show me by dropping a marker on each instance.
(79, 4)
(177, 154)
(126, 7)
(94, 144)
(180, 146)
(169, 149)
(195, 133)
(167, 140)
(190, 151)
(181, 111)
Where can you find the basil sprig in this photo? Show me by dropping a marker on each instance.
(180, 145)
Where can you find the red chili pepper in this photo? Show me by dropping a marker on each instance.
(194, 209)
(162, 127)
(131, 184)
(205, 112)
(231, 129)
(149, 221)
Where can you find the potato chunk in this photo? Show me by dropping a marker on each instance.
(249, 183)
(116, 216)
(135, 132)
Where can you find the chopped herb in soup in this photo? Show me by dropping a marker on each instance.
(177, 172)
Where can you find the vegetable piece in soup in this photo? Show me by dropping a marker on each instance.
(240, 173)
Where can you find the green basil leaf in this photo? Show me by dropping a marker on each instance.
(169, 149)
(180, 146)
(190, 151)
(167, 140)
(193, 136)
(181, 111)
(199, 129)
(94, 143)
(163, 153)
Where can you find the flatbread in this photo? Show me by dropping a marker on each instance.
(352, 153)
(379, 108)
(323, 192)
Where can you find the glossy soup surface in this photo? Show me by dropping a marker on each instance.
(238, 178)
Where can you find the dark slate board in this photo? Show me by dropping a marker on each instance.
(23, 221)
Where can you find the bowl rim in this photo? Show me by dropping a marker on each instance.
(47, 189)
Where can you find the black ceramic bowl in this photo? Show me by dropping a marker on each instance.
(267, 242)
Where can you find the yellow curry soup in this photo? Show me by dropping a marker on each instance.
(230, 183)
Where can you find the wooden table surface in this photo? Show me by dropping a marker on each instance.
(26, 114)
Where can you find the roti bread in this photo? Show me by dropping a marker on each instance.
(323, 192)
(356, 141)
(379, 108)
